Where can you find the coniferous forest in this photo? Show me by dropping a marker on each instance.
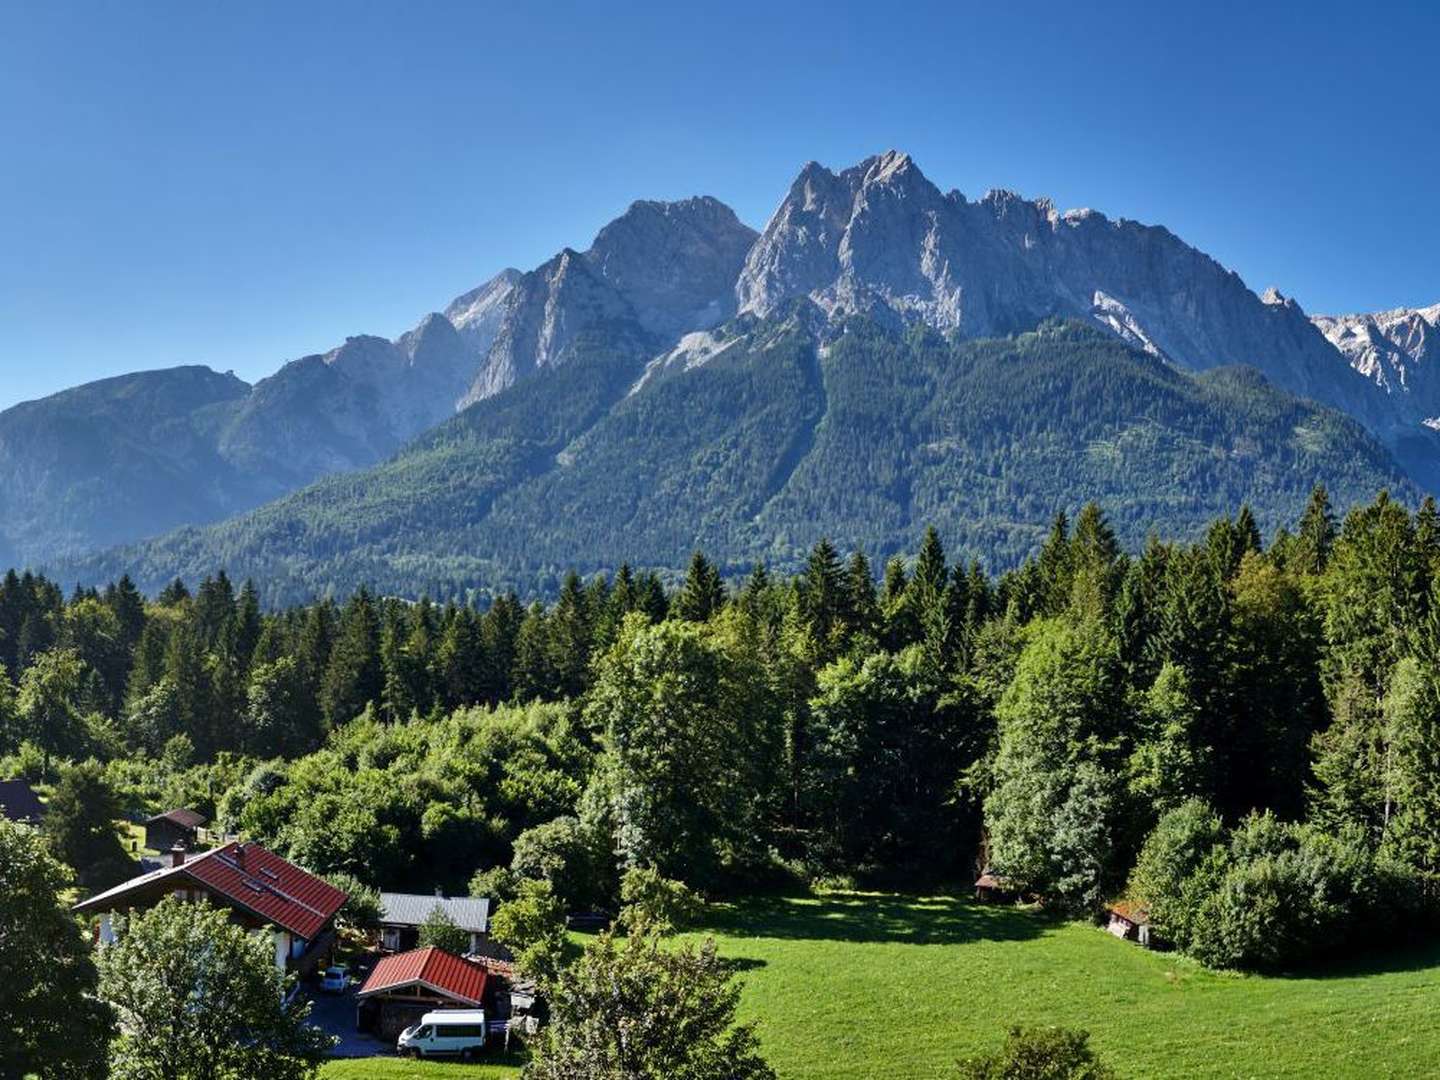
(1240, 735)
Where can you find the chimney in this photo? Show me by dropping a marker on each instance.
(177, 855)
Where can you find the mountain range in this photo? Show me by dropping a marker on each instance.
(881, 356)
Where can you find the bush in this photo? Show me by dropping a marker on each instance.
(1051, 1053)
(498, 884)
(1167, 878)
(562, 853)
(1274, 895)
(361, 911)
(532, 926)
(652, 901)
(439, 930)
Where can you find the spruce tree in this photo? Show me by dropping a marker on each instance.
(703, 593)
(353, 677)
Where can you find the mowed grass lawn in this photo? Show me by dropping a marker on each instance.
(399, 1069)
(866, 986)
(861, 986)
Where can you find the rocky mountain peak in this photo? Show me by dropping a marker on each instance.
(660, 270)
(476, 314)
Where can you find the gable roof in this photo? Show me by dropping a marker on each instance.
(186, 819)
(1130, 912)
(432, 968)
(247, 876)
(18, 801)
(412, 909)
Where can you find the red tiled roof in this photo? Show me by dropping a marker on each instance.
(250, 877)
(436, 969)
(269, 886)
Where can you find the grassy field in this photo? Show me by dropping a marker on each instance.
(851, 987)
(396, 1069)
(862, 987)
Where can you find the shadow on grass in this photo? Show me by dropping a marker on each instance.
(1416, 953)
(875, 918)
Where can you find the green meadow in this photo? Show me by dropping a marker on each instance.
(851, 986)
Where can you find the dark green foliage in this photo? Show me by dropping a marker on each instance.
(51, 1024)
(1039, 1054)
(439, 930)
(1270, 895)
(647, 1011)
(80, 827)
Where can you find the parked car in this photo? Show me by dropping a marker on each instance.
(335, 980)
(445, 1033)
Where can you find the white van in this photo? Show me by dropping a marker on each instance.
(445, 1033)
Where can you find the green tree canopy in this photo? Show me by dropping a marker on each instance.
(51, 1023)
(200, 998)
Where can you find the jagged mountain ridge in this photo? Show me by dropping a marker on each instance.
(877, 239)
(880, 238)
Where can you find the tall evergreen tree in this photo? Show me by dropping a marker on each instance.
(353, 677)
(703, 593)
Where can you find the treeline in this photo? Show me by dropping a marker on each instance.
(1259, 701)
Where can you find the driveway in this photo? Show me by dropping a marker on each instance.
(334, 1014)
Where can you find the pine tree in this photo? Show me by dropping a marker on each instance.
(1316, 534)
(703, 593)
(173, 595)
(353, 677)
(129, 606)
(824, 602)
(569, 626)
(863, 616)
(1053, 566)
(499, 629)
(245, 626)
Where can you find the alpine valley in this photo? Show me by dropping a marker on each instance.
(881, 357)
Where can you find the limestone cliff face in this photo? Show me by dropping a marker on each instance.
(653, 274)
(1398, 351)
(880, 238)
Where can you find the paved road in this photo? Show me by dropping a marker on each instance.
(335, 1015)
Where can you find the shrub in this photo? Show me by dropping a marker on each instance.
(1050, 1053)
(656, 902)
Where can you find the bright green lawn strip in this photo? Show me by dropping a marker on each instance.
(873, 986)
(384, 1068)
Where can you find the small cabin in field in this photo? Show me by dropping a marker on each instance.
(172, 829)
(1129, 922)
(989, 888)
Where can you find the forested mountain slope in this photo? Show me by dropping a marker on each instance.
(757, 439)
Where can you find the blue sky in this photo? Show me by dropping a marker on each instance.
(241, 184)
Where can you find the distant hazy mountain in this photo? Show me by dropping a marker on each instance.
(668, 288)
(117, 459)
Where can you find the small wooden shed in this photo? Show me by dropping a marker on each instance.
(1129, 922)
(173, 828)
(989, 888)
